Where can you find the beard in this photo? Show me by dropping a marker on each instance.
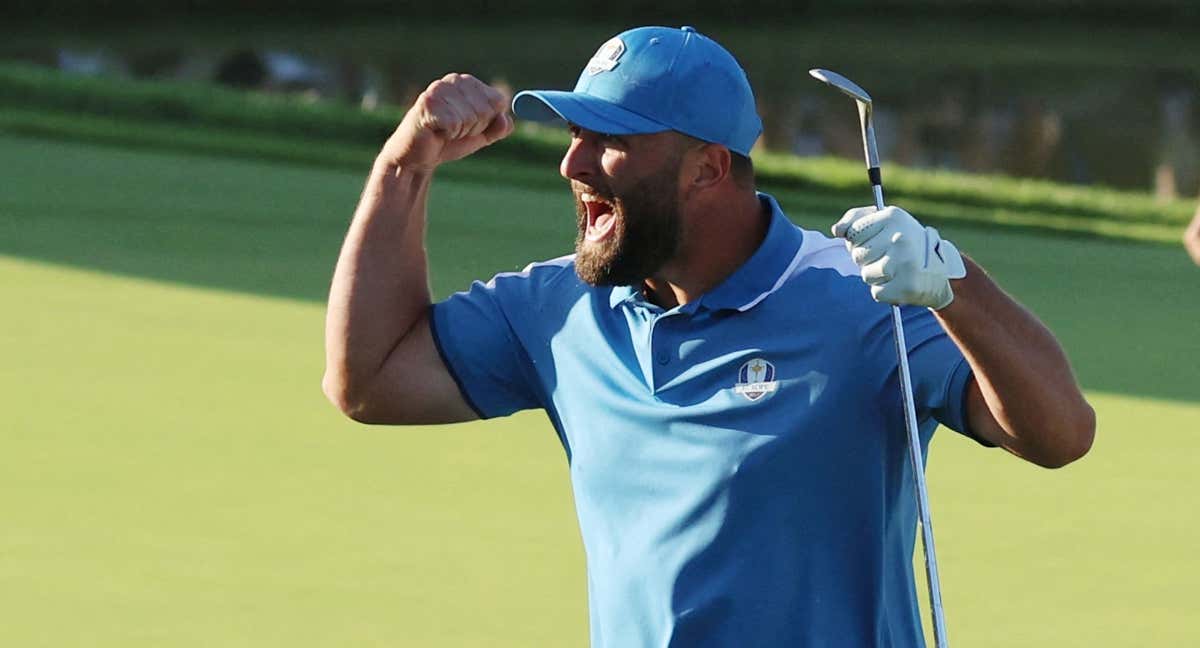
(645, 234)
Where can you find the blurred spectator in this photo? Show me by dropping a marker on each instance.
(1191, 237)
(91, 63)
(290, 73)
(242, 69)
(276, 71)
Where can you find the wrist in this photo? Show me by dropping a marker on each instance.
(390, 171)
(963, 290)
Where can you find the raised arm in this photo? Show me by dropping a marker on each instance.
(1024, 397)
(381, 365)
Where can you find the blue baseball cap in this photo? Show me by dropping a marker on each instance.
(654, 79)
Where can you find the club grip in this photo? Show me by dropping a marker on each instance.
(876, 185)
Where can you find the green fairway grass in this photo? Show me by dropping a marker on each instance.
(171, 475)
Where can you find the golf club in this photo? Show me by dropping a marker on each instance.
(863, 100)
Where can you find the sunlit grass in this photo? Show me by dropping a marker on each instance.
(172, 476)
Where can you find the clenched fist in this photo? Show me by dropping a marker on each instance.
(454, 117)
(903, 261)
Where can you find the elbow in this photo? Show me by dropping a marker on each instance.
(1076, 439)
(349, 401)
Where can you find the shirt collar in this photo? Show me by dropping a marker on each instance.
(620, 294)
(763, 273)
(758, 277)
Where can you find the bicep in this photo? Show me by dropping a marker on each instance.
(414, 385)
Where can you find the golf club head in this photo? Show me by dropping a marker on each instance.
(841, 83)
(863, 100)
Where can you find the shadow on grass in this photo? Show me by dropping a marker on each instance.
(1126, 312)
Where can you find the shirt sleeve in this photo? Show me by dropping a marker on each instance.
(475, 335)
(940, 373)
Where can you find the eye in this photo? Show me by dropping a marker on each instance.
(612, 140)
(606, 139)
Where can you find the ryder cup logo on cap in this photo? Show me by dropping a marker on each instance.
(654, 79)
(606, 57)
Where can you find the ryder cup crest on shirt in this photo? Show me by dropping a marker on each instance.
(605, 58)
(756, 379)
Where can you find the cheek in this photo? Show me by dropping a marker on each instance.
(612, 162)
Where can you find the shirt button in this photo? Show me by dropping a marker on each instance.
(663, 357)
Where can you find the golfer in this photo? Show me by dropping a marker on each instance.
(1191, 237)
(723, 382)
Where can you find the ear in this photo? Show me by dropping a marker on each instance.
(707, 166)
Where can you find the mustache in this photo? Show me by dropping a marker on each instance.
(603, 193)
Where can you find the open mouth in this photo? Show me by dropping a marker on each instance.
(601, 219)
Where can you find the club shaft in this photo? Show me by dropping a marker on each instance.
(918, 468)
(916, 457)
(910, 425)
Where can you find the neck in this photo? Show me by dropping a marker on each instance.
(717, 241)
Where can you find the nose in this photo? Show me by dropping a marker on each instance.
(580, 160)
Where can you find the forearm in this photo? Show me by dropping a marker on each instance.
(380, 287)
(1034, 405)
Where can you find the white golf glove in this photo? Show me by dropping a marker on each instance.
(903, 261)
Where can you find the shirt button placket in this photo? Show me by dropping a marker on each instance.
(659, 348)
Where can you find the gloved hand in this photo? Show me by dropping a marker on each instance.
(903, 261)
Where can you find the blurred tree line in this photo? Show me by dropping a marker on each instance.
(92, 11)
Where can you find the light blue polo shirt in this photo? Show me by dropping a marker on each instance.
(739, 463)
